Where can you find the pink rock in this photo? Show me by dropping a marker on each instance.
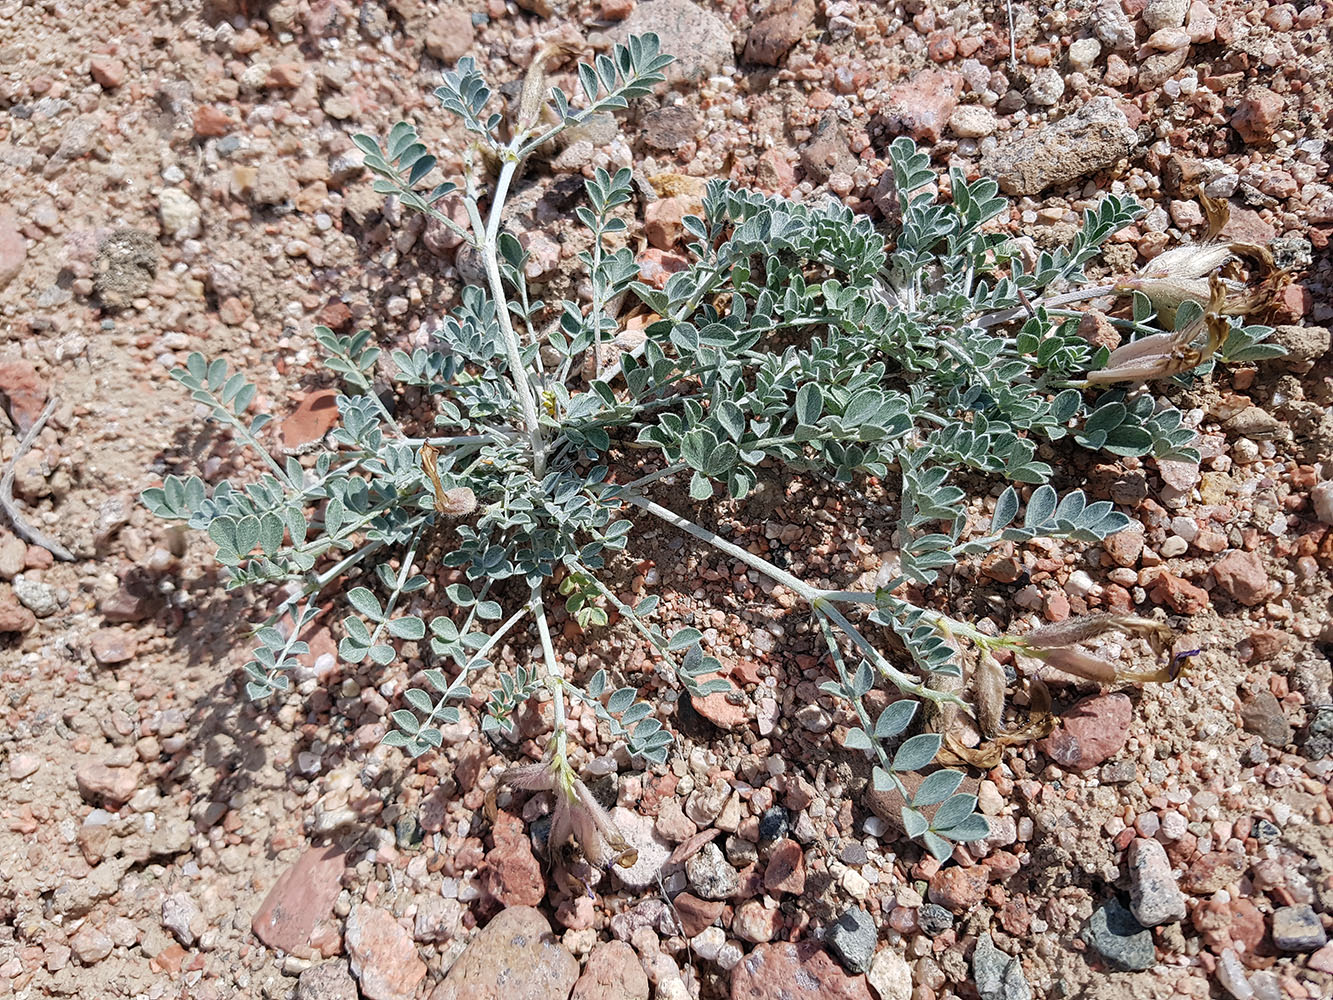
(315, 415)
(90, 944)
(958, 889)
(800, 971)
(512, 875)
(662, 222)
(14, 617)
(920, 107)
(515, 957)
(718, 709)
(1214, 870)
(781, 27)
(1257, 115)
(20, 385)
(111, 645)
(1092, 732)
(113, 785)
(450, 34)
(1322, 960)
(382, 955)
(774, 173)
(786, 869)
(13, 248)
(656, 266)
(612, 972)
(110, 73)
(756, 923)
(695, 914)
(1242, 575)
(302, 896)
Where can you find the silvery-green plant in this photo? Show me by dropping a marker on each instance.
(797, 335)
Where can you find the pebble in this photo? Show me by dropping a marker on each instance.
(13, 252)
(958, 889)
(653, 849)
(785, 872)
(299, 900)
(1262, 715)
(699, 40)
(114, 785)
(755, 922)
(180, 214)
(1155, 898)
(890, 975)
(1083, 53)
(326, 981)
(90, 944)
(695, 914)
(710, 876)
(972, 121)
(773, 824)
(1298, 928)
(1231, 975)
(23, 765)
(933, 919)
(513, 876)
(852, 939)
(1242, 575)
(181, 915)
(998, 976)
(781, 27)
(42, 599)
(1321, 496)
(1120, 939)
(1090, 733)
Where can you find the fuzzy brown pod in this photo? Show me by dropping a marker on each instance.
(456, 502)
(1057, 645)
(989, 700)
(1162, 355)
(1184, 274)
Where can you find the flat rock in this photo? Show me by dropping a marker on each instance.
(998, 976)
(888, 805)
(382, 955)
(100, 782)
(653, 849)
(890, 975)
(781, 27)
(13, 247)
(1093, 138)
(1242, 575)
(700, 41)
(302, 896)
(1298, 928)
(852, 939)
(1090, 733)
(1262, 715)
(514, 957)
(800, 971)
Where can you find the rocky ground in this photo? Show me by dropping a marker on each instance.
(178, 176)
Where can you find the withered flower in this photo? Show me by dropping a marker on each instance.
(456, 502)
(1164, 354)
(1057, 645)
(577, 818)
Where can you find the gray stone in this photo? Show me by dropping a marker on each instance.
(39, 598)
(326, 981)
(1298, 928)
(700, 41)
(710, 876)
(181, 916)
(851, 938)
(1158, 14)
(998, 976)
(1093, 138)
(933, 919)
(1154, 896)
(1125, 943)
(127, 263)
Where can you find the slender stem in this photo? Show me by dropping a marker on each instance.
(653, 477)
(486, 647)
(487, 239)
(555, 680)
(1065, 298)
(813, 595)
(16, 518)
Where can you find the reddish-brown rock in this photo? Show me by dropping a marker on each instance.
(314, 416)
(719, 709)
(113, 785)
(302, 896)
(109, 72)
(612, 972)
(210, 121)
(958, 889)
(781, 27)
(22, 391)
(1257, 115)
(1242, 575)
(514, 957)
(786, 869)
(1182, 596)
(1212, 871)
(800, 971)
(1090, 733)
(449, 34)
(695, 914)
(14, 617)
(513, 875)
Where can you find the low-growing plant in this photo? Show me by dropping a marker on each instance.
(796, 335)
